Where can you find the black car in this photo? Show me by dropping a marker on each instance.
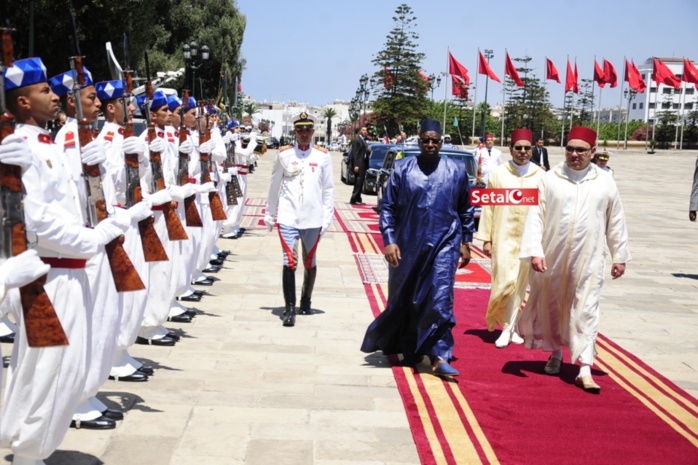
(347, 170)
(272, 143)
(375, 163)
(397, 153)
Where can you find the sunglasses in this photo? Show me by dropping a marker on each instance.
(519, 148)
(426, 141)
(304, 129)
(578, 150)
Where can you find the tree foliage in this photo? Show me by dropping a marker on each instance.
(329, 113)
(528, 106)
(402, 101)
(160, 27)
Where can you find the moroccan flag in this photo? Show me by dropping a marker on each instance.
(425, 76)
(551, 71)
(599, 76)
(609, 72)
(510, 70)
(388, 78)
(663, 75)
(571, 83)
(484, 68)
(633, 77)
(456, 69)
(458, 87)
(690, 72)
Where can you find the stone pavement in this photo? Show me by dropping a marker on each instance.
(241, 389)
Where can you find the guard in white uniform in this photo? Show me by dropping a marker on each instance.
(45, 384)
(301, 202)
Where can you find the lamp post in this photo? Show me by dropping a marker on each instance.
(191, 52)
(434, 82)
(362, 95)
(628, 94)
(488, 54)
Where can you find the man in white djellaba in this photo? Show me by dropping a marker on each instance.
(565, 238)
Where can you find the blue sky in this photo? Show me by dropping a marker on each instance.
(315, 51)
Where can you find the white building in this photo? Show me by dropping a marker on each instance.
(609, 115)
(281, 114)
(658, 99)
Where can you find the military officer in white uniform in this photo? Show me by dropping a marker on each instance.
(301, 203)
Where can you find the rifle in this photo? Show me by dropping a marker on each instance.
(232, 189)
(125, 276)
(217, 211)
(153, 250)
(191, 211)
(40, 320)
(175, 229)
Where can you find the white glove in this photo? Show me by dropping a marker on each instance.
(139, 212)
(122, 218)
(93, 153)
(225, 177)
(14, 150)
(324, 228)
(206, 147)
(189, 190)
(186, 147)
(269, 222)
(227, 138)
(205, 188)
(22, 269)
(158, 145)
(109, 229)
(160, 197)
(137, 146)
(233, 170)
(177, 193)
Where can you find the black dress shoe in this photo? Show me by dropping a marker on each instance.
(98, 423)
(164, 341)
(190, 298)
(8, 338)
(182, 318)
(212, 269)
(174, 336)
(146, 370)
(135, 377)
(356, 203)
(205, 282)
(199, 293)
(191, 312)
(223, 255)
(216, 262)
(113, 414)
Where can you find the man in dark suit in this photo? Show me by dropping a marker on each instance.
(540, 155)
(359, 153)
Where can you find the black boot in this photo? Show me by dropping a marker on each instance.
(307, 290)
(289, 287)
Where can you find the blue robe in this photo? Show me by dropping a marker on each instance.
(425, 211)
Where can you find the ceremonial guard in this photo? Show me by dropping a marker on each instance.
(45, 383)
(118, 112)
(232, 228)
(301, 203)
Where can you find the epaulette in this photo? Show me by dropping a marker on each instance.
(69, 139)
(109, 136)
(285, 147)
(322, 149)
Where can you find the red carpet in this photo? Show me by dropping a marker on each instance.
(504, 409)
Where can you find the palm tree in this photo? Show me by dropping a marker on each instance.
(249, 108)
(329, 113)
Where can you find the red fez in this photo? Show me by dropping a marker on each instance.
(521, 134)
(489, 136)
(584, 133)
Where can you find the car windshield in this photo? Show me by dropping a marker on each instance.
(466, 157)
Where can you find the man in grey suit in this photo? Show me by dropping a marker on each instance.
(359, 154)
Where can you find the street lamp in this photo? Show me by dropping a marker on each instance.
(191, 52)
(434, 82)
(362, 94)
(488, 54)
(628, 94)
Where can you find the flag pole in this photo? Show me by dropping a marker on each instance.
(504, 87)
(592, 96)
(564, 104)
(620, 106)
(448, 51)
(472, 135)
(683, 105)
(676, 134)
